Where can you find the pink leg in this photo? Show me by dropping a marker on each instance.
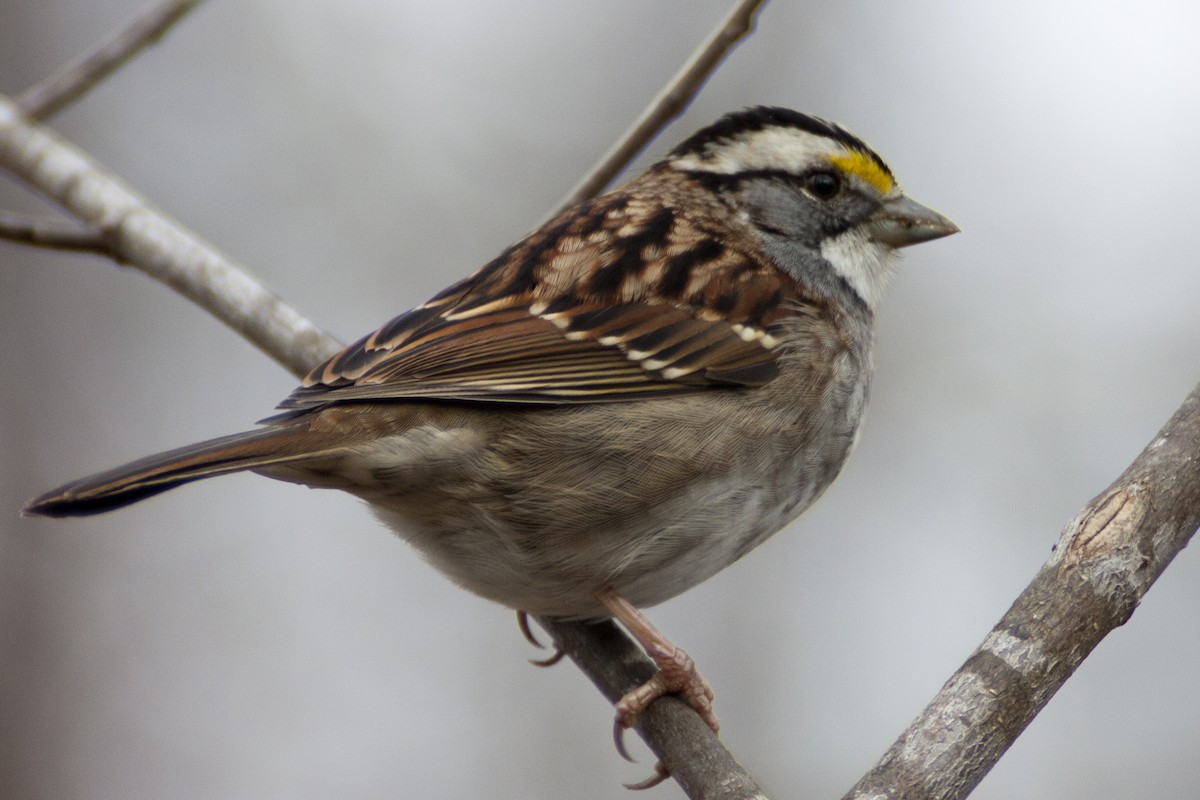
(676, 674)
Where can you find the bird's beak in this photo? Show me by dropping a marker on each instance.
(902, 221)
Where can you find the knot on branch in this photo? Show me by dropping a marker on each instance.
(1109, 523)
(1102, 546)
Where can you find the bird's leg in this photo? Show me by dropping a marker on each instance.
(676, 674)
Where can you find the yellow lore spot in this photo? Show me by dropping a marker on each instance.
(853, 162)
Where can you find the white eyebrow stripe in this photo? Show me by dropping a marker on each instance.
(784, 149)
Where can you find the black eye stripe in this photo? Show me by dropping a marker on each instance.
(723, 180)
(718, 181)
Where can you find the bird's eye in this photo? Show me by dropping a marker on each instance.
(823, 185)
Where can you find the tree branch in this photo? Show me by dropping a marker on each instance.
(691, 751)
(1105, 561)
(77, 78)
(23, 230)
(141, 237)
(669, 103)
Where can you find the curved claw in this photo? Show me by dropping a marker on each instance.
(549, 661)
(619, 740)
(661, 773)
(527, 632)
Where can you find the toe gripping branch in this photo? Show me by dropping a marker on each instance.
(625, 676)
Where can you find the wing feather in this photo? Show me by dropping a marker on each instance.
(580, 312)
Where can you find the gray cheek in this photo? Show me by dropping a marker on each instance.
(790, 232)
(809, 268)
(783, 210)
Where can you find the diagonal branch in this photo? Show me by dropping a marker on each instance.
(669, 103)
(697, 760)
(142, 237)
(1106, 560)
(78, 77)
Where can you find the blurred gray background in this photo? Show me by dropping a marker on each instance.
(243, 638)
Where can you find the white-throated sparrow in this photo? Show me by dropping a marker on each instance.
(622, 403)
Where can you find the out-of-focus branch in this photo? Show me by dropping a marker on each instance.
(1104, 563)
(55, 236)
(77, 78)
(142, 237)
(669, 103)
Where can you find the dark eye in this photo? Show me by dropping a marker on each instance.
(823, 185)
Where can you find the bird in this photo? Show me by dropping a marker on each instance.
(619, 405)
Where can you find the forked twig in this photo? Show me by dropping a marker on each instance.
(144, 238)
(55, 236)
(74, 80)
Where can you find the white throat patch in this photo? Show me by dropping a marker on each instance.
(864, 263)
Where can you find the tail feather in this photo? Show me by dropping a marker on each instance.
(149, 476)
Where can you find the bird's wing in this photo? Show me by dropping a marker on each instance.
(616, 299)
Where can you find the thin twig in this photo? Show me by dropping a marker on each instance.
(1105, 561)
(74, 80)
(17, 228)
(669, 103)
(144, 238)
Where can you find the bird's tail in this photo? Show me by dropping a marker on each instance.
(148, 476)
